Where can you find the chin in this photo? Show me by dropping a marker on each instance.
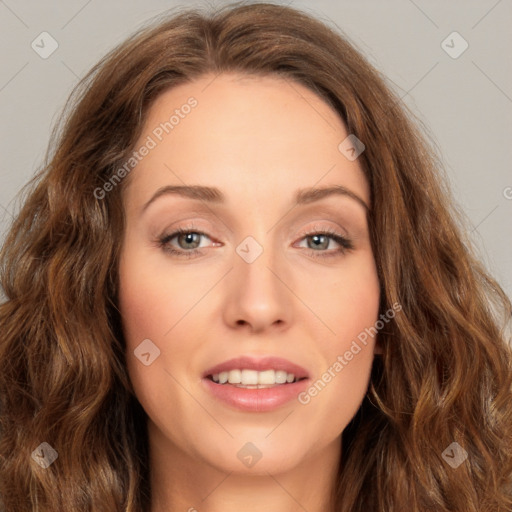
(255, 453)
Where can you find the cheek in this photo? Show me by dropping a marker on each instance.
(351, 308)
(350, 302)
(358, 309)
(157, 307)
(152, 306)
(150, 300)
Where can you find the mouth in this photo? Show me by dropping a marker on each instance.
(256, 385)
(252, 379)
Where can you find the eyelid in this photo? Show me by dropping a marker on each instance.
(317, 227)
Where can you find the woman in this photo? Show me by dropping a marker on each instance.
(327, 342)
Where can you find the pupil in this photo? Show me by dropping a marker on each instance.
(316, 239)
(189, 238)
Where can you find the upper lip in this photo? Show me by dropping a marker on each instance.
(259, 364)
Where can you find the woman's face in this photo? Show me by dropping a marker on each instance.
(252, 277)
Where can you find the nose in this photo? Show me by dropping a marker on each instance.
(257, 295)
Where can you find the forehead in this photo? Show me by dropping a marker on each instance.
(244, 107)
(244, 132)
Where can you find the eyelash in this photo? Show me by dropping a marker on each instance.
(345, 244)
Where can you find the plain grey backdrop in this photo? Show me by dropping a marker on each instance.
(449, 61)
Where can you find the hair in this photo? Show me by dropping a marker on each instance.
(445, 374)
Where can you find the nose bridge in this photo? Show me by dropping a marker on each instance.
(253, 264)
(257, 295)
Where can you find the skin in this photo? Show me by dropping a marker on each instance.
(258, 139)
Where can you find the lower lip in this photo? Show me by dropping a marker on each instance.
(256, 400)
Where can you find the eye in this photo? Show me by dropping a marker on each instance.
(188, 240)
(320, 241)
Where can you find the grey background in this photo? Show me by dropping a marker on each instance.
(465, 103)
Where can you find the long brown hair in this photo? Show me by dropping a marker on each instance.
(445, 374)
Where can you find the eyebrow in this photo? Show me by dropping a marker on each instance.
(214, 195)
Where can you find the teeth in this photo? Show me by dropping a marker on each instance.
(281, 377)
(266, 377)
(235, 376)
(253, 378)
(249, 377)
